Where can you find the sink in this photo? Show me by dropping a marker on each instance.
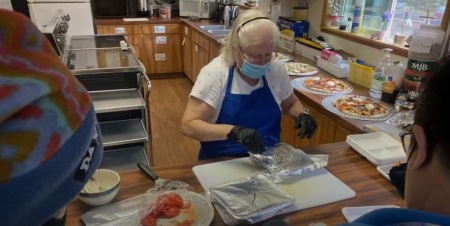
(219, 32)
(213, 27)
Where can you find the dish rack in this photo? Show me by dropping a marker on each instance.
(119, 90)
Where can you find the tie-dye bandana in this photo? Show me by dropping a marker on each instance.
(41, 102)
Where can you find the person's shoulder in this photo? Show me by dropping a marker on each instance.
(215, 65)
(400, 216)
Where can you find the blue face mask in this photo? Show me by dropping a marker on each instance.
(254, 71)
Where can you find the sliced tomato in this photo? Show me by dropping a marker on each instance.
(171, 211)
(149, 220)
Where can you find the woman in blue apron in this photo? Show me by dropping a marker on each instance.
(237, 100)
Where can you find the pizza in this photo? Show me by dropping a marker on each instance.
(282, 57)
(295, 68)
(326, 85)
(361, 106)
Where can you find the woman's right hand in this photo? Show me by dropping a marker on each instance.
(247, 137)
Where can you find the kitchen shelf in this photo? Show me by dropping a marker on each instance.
(123, 132)
(117, 100)
(123, 159)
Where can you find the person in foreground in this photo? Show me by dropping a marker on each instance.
(50, 143)
(427, 177)
(236, 103)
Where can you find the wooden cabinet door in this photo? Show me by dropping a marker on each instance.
(200, 58)
(149, 54)
(327, 131)
(187, 58)
(119, 29)
(214, 50)
(163, 53)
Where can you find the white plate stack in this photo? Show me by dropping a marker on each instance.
(378, 147)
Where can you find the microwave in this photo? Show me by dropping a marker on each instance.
(198, 8)
(114, 8)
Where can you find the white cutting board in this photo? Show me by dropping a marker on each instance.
(313, 189)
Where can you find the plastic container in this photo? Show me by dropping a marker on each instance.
(300, 12)
(426, 42)
(338, 71)
(360, 74)
(393, 82)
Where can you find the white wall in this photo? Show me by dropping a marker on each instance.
(368, 54)
(5, 4)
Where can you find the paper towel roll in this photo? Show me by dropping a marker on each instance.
(123, 45)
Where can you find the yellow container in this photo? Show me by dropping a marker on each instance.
(360, 74)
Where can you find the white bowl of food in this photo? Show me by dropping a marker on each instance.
(101, 189)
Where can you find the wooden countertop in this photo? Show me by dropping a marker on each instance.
(344, 163)
(353, 126)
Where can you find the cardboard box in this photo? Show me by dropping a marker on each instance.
(300, 28)
(287, 41)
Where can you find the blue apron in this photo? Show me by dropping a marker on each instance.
(258, 110)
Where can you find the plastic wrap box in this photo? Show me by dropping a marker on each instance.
(300, 28)
(340, 72)
(306, 51)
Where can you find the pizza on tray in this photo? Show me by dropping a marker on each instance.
(282, 57)
(361, 106)
(295, 68)
(325, 85)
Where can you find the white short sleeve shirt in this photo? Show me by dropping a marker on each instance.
(211, 84)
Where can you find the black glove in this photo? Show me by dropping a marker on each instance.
(397, 176)
(247, 137)
(306, 125)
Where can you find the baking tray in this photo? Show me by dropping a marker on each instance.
(379, 147)
(251, 199)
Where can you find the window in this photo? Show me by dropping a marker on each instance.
(406, 15)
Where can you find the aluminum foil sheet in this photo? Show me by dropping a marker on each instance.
(251, 199)
(284, 161)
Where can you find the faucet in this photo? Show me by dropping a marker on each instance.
(230, 13)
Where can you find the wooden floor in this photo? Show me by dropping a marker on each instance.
(168, 99)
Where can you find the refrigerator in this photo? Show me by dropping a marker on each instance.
(81, 22)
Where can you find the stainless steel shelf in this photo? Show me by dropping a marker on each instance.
(123, 132)
(117, 100)
(123, 159)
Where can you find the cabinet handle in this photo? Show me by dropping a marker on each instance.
(196, 48)
(184, 40)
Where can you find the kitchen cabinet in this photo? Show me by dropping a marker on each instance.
(327, 130)
(214, 50)
(198, 51)
(157, 46)
(187, 53)
(161, 46)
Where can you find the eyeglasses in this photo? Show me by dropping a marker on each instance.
(408, 139)
(257, 60)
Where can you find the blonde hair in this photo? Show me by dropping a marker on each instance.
(245, 33)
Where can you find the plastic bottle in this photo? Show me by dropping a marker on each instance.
(348, 26)
(394, 75)
(357, 15)
(378, 77)
(423, 55)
